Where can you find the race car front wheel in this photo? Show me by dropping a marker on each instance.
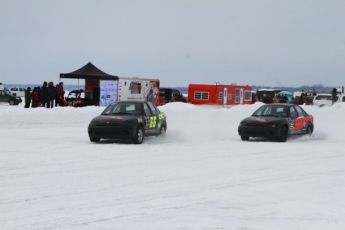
(139, 136)
(94, 139)
(244, 138)
(283, 134)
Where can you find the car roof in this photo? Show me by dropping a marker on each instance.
(280, 104)
(130, 101)
(324, 94)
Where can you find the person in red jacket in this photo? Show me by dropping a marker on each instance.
(60, 95)
(35, 98)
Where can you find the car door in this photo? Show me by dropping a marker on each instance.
(301, 121)
(293, 116)
(2, 96)
(153, 122)
(149, 120)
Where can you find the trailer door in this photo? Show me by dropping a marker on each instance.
(225, 96)
(239, 95)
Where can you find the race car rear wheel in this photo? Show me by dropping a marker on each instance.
(309, 131)
(139, 136)
(283, 134)
(244, 138)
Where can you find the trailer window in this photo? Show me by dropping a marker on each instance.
(220, 96)
(247, 95)
(201, 95)
(229, 96)
(135, 87)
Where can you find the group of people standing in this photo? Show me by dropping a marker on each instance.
(47, 95)
(267, 99)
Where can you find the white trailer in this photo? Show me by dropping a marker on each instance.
(133, 88)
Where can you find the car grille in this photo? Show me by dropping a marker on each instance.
(109, 133)
(255, 124)
(108, 124)
(254, 132)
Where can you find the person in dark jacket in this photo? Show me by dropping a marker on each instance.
(43, 95)
(27, 97)
(302, 98)
(50, 95)
(334, 96)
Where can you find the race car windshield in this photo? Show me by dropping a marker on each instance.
(271, 111)
(123, 108)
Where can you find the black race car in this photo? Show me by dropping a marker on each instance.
(276, 121)
(128, 120)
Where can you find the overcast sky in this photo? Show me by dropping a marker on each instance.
(266, 42)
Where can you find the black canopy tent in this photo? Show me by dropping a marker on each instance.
(92, 76)
(89, 71)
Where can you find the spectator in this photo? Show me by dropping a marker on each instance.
(334, 95)
(269, 99)
(50, 95)
(34, 98)
(283, 99)
(27, 98)
(60, 95)
(43, 95)
(302, 98)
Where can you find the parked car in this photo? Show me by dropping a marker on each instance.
(170, 95)
(7, 91)
(11, 99)
(324, 99)
(128, 120)
(18, 91)
(79, 98)
(276, 121)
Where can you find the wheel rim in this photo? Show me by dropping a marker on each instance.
(140, 135)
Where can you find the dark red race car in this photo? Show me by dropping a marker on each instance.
(276, 121)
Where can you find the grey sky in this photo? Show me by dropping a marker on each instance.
(266, 42)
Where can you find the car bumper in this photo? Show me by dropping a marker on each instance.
(259, 131)
(112, 132)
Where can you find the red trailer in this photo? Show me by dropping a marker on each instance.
(218, 94)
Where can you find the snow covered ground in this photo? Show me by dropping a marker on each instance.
(200, 176)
